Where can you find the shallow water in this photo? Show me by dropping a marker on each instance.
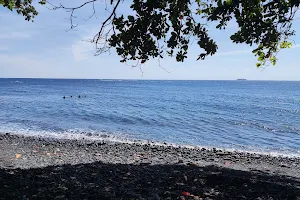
(245, 115)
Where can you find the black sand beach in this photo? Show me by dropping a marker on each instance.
(40, 168)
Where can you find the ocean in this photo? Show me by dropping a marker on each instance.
(254, 116)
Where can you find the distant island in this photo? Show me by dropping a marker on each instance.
(241, 79)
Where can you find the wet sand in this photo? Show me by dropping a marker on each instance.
(41, 168)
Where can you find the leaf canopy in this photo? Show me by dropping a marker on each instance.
(160, 28)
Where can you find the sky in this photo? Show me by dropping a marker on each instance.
(45, 49)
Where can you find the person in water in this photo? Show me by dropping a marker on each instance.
(64, 97)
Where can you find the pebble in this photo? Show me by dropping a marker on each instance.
(155, 197)
(284, 165)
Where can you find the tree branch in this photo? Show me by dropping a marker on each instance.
(72, 9)
(113, 13)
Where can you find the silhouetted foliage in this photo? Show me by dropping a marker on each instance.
(160, 28)
(23, 7)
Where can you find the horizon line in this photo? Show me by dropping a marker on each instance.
(146, 79)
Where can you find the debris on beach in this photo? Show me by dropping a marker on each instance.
(18, 155)
(227, 163)
(188, 196)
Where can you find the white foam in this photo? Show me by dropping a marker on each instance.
(71, 135)
(16, 82)
(75, 134)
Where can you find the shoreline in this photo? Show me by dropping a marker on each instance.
(90, 137)
(42, 146)
(21, 155)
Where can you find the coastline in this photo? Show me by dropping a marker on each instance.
(23, 154)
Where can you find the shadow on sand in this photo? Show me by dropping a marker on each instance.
(117, 181)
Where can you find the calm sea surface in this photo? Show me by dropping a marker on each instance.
(245, 115)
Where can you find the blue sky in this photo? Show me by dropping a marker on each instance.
(44, 49)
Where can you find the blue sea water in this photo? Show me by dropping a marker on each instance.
(244, 115)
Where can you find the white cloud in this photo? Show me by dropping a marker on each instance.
(28, 65)
(17, 60)
(82, 50)
(15, 35)
(3, 48)
(229, 53)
